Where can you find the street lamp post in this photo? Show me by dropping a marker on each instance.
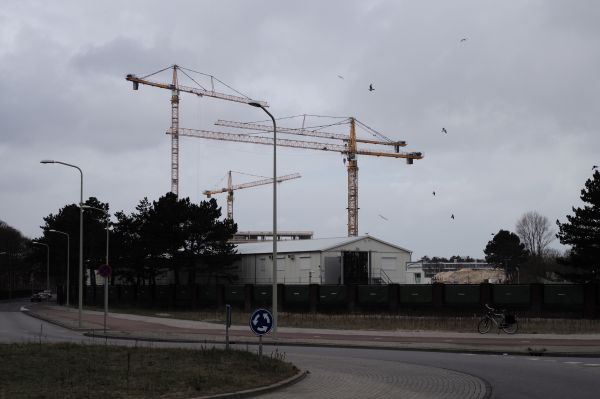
(274, 295)
(105, 277)
(68, 256)
(46, 161)
(47, 262)
(8, 273)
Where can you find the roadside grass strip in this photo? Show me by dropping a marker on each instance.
(101, 371)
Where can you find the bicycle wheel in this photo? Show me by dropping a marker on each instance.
(484, 325)
(510, 328)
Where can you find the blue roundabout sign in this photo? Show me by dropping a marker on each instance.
(261, 322)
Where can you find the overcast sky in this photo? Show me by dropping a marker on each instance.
(519, 99)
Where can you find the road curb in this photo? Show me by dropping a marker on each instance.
(53, 321)
(259, 391)
(346, 346)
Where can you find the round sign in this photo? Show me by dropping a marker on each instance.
(104, 271)
(261, 322)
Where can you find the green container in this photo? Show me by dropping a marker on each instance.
(207, 295)
(162, 293)
(332, 294)
(461, 294)
(89, 295)
(511, 294)
(113, 293)
(373, 294)
(184, 292)
(263, 294)
(563, 294)
(144, 294)
(415, 294)
(127, 293)
(235, 294)
(297, 294)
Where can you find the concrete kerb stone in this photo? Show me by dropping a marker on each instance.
(54, 321)
(507, 352)
(259, 391)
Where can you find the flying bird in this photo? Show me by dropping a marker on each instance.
(371, 87)
(434, 193)
(383, 217)
(340, 76)
(452, 217)
(594, 167)
(444, 130)
(464, 39)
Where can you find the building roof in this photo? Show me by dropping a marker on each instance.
(314, 245)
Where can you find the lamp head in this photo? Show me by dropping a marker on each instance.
(35, 242)
(255, 104)
(46, 161)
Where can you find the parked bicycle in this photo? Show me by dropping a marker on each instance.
(504, 321)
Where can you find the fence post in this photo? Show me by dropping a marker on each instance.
(352, 292)
(313, 297)
(589, 300)
(486, 293)
(220, 296)
(394, 292)
(537, 298)
(248, 291)
(437, 296)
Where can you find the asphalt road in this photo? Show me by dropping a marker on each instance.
(508, 377)
(364, 373)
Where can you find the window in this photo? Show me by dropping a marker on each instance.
(418, 278)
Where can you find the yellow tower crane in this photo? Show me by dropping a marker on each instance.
(349, 148)
(230, 187)
(176, 88)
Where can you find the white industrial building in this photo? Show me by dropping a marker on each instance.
(345, 260)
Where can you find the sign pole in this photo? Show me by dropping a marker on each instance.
(261, 323)
(227, 325)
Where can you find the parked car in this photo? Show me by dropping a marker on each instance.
(45, 295)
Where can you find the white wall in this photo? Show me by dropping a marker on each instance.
(293, 268)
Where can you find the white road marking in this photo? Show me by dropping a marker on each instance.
(533, 358)
(573, 362)
(591, 364)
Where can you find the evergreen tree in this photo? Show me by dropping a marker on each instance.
(506, 249)
(582, 233)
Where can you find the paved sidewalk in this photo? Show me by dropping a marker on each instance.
(168, 329)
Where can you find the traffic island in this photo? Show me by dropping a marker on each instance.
(100, 371)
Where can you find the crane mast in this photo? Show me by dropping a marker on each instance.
(352, 183)
(230, 188)
(176, 88)
(349, 149)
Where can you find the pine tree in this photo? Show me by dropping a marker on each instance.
(582, 233)
(507, 250)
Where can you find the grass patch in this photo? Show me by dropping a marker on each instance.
(379, 321)
(100, 371)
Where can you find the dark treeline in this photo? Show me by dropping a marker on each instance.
(171, 236)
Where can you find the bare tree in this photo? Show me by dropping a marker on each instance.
(535, 232)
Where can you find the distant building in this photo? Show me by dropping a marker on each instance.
(257, 236)
(425, 272)
(345, 260)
